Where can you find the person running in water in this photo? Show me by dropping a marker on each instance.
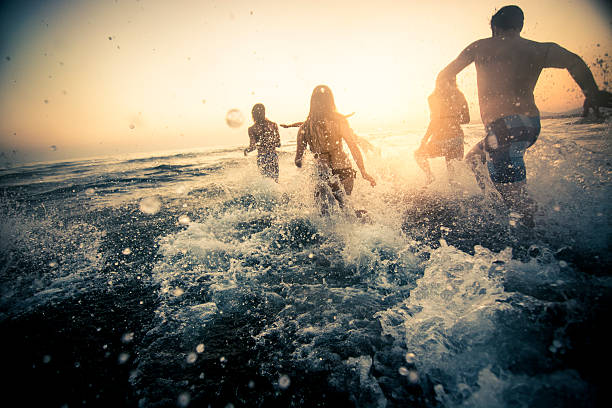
(264, 137)
(507, 68)
(323, 131)
(444, 136)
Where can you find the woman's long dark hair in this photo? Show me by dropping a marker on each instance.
(322, 113)
(322, 105)
(259, 113)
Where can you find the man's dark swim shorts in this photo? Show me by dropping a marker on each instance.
(505, 144)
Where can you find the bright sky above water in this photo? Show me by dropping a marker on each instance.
(104, 77)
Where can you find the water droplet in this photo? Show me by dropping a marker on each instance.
(52, 264)
(150, 205)
(127, 337)
(123, 358)
(126, 251)
(191, 358)
(53, 147)
(132, 126)
(311, 255)
(90, 191)
(251, 384)
(222, 359)
(410, 358)
(234, 118)
(562, 264)
(183, 399)
(178, 292)
(557, 208)
(184, 219)
(413, 376)
(403, 371)
(284, 382)
(200, 348)
(46, 359)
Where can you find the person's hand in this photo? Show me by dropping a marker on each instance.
(370, 179)
(599, 99)
(298, 163)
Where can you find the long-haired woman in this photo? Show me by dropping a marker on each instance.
(323, 131)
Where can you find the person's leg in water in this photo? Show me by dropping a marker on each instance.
(321, 197)
(341, 185)
(325, 190)
(517, 199)
(476, 159)
(348, 181)
(421, 156)
(454, 151)
(451, 171)
(329, 189)
(268, 165)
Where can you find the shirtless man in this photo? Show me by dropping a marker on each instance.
(508, 67)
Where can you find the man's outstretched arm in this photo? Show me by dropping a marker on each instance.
(559, 57)
(301, 146)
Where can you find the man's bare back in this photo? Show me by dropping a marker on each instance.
(508, 68)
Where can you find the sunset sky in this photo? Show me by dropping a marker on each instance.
(116, 76)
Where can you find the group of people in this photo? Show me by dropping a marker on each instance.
(507, 67)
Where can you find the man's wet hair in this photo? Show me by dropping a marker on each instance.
(508, 18)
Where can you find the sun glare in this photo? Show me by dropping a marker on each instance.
(111, 77)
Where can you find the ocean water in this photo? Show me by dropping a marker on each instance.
(187, 279)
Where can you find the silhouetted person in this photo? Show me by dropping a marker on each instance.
(508, 67)
(264, 137)
(323, 131)
(448, 110)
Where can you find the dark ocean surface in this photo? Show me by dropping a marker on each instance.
(187, 279)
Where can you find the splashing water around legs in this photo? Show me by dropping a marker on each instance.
(189, 279)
